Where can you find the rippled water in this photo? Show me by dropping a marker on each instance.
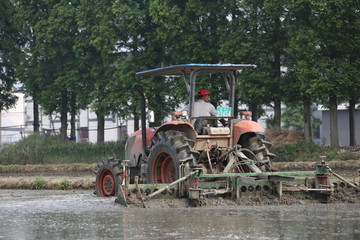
(80, 215)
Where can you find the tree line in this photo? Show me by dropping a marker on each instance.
(74, 54)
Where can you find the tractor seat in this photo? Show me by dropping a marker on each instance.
(215, 131)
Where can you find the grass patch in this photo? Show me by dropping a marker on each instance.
(48, 168)
(65, 184)
(43, 182)
(303, 151)
(347, 156)
(39, 182)
(37, 149)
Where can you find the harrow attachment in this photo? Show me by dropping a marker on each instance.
(196, 186)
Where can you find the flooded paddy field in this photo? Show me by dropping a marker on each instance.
(78, 214)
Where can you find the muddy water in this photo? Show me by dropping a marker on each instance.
(80, 215)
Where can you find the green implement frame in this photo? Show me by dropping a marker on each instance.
(237, 186)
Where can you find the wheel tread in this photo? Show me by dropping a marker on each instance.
(107, 164)
(175, 144)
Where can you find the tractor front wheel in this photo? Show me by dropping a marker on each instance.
(108, 177)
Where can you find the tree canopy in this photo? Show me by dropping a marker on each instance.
(75, 54)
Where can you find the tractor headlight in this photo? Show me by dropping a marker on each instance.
(184, 113)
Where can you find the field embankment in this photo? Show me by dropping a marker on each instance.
(81, 176)
(54, 176)
(44, 163)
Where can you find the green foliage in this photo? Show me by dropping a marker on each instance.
(9, 53)
(56, 168)
(322, 53)
(348, 156)
(293, 116)
(300, 151)
(85, 53)
(37, 149)
(28, 150)
(39, 182)
(256, 34)
(269, 121)
(303, 151)
(331, 155)
(65, 184)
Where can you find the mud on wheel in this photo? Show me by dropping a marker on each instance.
(169, 150)
(260, 147)
(108, 177)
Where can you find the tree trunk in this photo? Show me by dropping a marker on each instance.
(277, 71)
(63, 129)
(72, 117)
(277, 114)
(63, 116)
(254, 112)
(0, 124)
(157, 113)
(100, 128)
(36, 124)
(334, 131)
(136, 121)
(307, 122)
(236, 107)
(157, 119)
(352, 124)
(72, 126)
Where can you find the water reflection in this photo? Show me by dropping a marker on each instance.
(42, 215)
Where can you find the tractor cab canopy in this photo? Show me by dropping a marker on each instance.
(191, 71)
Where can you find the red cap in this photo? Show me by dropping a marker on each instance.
(203, 91)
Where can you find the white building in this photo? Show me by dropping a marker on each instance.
(343, 125)
(12, 127)
(17, 123)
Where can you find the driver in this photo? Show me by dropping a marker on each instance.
(202, 107)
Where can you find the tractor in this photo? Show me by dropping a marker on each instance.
(164, 154)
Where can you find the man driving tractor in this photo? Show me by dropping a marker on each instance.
(202, 107)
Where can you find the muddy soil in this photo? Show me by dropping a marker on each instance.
(339, 196)
(75, 214)
(79, 180)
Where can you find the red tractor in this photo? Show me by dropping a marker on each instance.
(166, 153)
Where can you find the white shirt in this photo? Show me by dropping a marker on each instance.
(203, 109)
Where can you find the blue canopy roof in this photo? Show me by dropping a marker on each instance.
(188, 68)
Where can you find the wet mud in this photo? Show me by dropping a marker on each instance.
(44, 214)
(339, 196)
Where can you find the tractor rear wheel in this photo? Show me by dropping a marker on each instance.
(169, 150)
(108, 177)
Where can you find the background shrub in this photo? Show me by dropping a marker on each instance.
(303, 151)
(37, 149)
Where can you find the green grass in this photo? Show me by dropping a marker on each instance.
(65, 184)
(39, 182)
(44, 168)
(39, 154)
(300, 151)
(36, 149)
(303, 151)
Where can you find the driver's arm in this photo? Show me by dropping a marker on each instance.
(213, 111)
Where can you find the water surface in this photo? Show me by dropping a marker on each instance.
(80, 215)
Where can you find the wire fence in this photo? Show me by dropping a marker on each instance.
(11, 134)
